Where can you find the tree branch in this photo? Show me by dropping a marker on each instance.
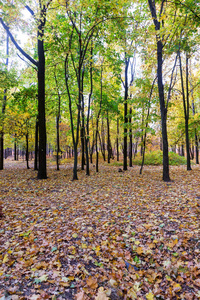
(34, 62)
(30, 10)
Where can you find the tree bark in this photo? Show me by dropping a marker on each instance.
(36, 145)
(42, 171)
(103, 140)
(186, 109)
(130, 139)
(27, 152)
(117, 138)
(3, 110)
(97, 121)
(108, 139)
(163, 107)
(125, 114)
(40, 64)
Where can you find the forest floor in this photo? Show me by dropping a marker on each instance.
(111, 235)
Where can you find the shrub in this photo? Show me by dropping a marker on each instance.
(156, 157)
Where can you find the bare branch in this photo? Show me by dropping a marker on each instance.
(27, 62)
(34, 62)
(30, 10)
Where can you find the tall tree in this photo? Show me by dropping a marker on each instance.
(4, 107)
(40, 18)
(156, 17)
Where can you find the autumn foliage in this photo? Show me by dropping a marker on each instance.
(112, 235)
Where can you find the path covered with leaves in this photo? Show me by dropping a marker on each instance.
(108, 236)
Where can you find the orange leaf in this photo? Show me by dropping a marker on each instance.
(92, 282)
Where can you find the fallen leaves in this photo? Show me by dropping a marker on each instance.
(104, 237)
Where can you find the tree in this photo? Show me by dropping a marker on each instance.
(40, 19)
(163, 107)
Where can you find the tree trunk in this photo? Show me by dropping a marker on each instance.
(15, 148)
(108, 139)
(87, 141)
(125, 114)
(1, 150)
(103, 140)
(42, 171)
(130, 140)
(97, 122)
(196, 148)
(3, 109)
(163, 108)
(27, 152)
(117, 138)
(57, 141)
(186, 109)
(57, 122)
(36, 145)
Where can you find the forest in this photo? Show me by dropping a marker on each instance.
(99, 149)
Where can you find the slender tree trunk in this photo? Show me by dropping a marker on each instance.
(36, 145)
(82, 134)
(163, 110)
(15, 148)
(57, 122)
(163, 107)
(3, 110)
(27, 152)
(93, 143)
(186, 109)
(125, 114)
(103, 140)
(74, 139)
(82, 144)
(196, 148)
(117, 138)
(97, 122)
(97, 153)
(57, 141)
(108, 138)
(42, 171)
(1, 150)
(136, 146)
(182, 150)
(87, 155)
(87, 141)
(130, 139)
(195, 132)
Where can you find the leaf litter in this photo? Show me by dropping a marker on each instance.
(110, 235)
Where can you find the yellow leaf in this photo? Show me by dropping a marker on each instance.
(72, 249)
(5, 259)
(176, 287)
(74, 235)
(139, 250)
(70, 278)
(132, 294)
(65, 284)
(84, 246)
(150, 296)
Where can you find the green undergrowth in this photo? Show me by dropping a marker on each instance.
(155, 158)
(151, 158)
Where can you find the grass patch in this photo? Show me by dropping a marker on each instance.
(155, 158)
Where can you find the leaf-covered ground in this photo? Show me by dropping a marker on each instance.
(111, 236)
